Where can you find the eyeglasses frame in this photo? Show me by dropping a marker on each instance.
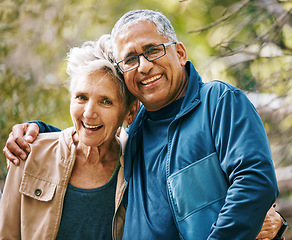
(165, 45)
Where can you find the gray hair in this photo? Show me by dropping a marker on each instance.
(95, 56)
(131, 18)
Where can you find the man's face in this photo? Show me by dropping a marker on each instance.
(160, 82)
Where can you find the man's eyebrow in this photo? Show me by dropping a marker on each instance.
(149, 45)
(130, 54)
(145, 47)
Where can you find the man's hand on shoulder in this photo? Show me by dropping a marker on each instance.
(17, 143)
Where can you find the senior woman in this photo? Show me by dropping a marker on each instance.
(68, 186)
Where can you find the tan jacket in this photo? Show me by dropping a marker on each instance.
(32, 201)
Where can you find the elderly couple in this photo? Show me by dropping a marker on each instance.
(195, 162)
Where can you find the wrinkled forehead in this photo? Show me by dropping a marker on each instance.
(136, 38)
(127, 36)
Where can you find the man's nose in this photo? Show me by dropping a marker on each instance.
(145, 65)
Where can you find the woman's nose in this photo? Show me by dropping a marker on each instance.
(91, 110)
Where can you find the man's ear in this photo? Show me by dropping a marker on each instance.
(132, 113)
(181, 53)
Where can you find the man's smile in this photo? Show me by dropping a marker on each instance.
(151, 80)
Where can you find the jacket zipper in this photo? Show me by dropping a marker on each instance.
(168, 162)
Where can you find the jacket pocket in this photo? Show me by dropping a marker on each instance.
(37, 188)
(197, 193)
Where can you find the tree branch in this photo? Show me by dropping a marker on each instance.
(235, 7)
(279, 22)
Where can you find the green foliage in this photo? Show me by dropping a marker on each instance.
(22, 99)
(245, 42)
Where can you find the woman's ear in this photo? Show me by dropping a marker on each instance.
(130, 116)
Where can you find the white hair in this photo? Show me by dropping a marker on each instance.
(93, 56)
(131, 18)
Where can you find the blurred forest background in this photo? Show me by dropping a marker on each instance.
(247, 43)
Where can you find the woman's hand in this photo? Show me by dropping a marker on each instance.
(271, 226)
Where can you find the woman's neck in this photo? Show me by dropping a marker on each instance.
(94, 165)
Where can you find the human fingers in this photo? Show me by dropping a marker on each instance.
(262, 235)
(31, 132)
(271, 225)
(12, 151)
(16, 142)
(23, 134)
(10, 157)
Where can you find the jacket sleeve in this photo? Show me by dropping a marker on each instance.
(44, 127)
(243, 150)
(10, 205)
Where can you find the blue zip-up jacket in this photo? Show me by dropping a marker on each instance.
(220, 174)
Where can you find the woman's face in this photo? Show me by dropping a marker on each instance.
(97, 108)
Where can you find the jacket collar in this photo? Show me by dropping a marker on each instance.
(191, 99)
(192, 96)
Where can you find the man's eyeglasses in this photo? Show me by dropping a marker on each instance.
(151, 54)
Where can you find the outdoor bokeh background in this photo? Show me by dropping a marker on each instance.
(246, 43)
